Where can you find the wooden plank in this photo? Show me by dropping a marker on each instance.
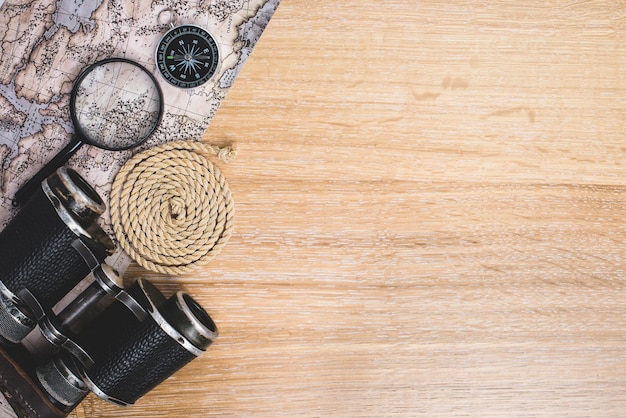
(430, 217)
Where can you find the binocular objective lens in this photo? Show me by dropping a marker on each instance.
(50, 245)
(135, 356)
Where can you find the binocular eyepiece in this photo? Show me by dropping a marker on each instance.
(117, 343)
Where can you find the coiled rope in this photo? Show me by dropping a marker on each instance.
(171, 208)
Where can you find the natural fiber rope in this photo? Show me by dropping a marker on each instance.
(171, 208)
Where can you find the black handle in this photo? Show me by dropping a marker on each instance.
(61, 158)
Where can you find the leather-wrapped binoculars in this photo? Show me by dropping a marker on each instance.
(117, 343)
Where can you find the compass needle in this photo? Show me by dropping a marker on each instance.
(187, 56)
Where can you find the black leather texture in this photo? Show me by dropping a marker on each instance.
(36, 252)
(131, 357)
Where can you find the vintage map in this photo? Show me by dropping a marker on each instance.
(44, 45)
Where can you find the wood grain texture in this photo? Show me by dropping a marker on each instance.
(430, 217)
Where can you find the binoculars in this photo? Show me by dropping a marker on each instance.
(116, 342)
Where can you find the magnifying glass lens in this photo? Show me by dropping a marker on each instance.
(116, 105)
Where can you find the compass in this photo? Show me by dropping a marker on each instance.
(187, 56)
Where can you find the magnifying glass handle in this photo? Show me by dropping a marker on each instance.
(31, 185)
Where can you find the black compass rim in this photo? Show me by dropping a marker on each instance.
(172, 79)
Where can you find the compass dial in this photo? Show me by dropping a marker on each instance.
(187, 56)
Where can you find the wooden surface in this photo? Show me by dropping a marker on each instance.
(430, 217)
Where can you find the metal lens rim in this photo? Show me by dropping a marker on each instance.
(200, 320)
(81, 191)
(173, 333)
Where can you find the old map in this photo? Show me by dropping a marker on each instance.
(44, 45)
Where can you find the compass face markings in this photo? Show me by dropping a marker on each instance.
(187, 56)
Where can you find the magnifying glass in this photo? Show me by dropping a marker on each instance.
(115, 104)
